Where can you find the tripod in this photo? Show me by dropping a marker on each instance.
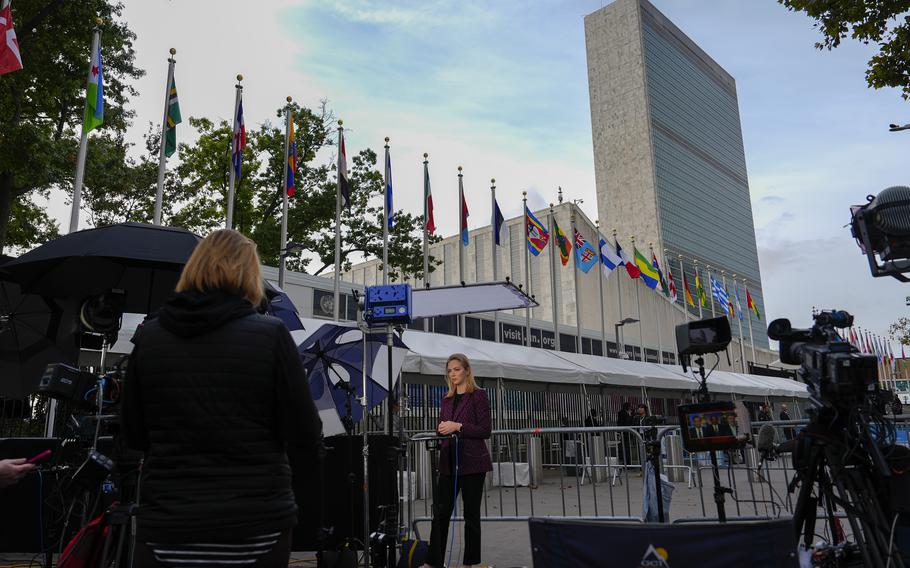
(841, 475)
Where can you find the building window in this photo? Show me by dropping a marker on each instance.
(567, 343)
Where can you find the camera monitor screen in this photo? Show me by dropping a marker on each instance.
(710, 426)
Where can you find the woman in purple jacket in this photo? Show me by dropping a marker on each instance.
(464, 460)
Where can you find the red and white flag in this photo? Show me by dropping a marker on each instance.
(10, 59)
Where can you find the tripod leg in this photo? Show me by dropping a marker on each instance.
(805, 510)
(864, 537)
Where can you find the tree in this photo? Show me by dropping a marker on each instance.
(203, 176)
(41, 105)
(900, 329)
(866, 21)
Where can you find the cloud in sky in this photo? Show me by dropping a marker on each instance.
(501, 89)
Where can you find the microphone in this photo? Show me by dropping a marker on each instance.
(765, 443)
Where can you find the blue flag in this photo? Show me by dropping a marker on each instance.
(388, 189)
(498, 221)
(719, 294)
(585, 255)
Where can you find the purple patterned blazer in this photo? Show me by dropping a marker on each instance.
(473, 413)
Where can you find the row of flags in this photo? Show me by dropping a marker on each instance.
(872, 344)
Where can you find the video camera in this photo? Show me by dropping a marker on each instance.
(836, 373)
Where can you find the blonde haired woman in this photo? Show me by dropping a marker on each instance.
(464, 460)
(214, 392)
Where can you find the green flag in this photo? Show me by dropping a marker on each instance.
(94, 95)
(173, 119)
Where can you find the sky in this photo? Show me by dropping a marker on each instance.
(501, 89)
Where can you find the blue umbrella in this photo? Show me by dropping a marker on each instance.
(333, 358)
(278, 304)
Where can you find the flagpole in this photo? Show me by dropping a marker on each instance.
(162, 159)
(461, 330)
(739, 317)
(751, 338)
(83, 142)
(697, 276)
(572, 220)
(336, 278)
(229, 220)
(524, 201)
(385, 215)
(660, 344)
(282, 258)
(554, 284)
(711, 284)
(620, 343)
(641, 324)
(494, 251)
(426, 234)
(600, 288)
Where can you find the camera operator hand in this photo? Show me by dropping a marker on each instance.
(12, 470)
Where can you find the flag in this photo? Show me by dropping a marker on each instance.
(562, 243)
(498, 221)
(631, 268)
(239, 143)
(750, 304)
(672, 284)
(585, 255)
(719, 294)
(688, 294)
(428, 197)
(700, 291)
(173, 119)
(739, 304)
(10, 58)
(344, 187)
(389, 205)
(464, 221)
(663, 282)
(538, 236)
(94, 94)
(292, 156)
(648, 273)
(609, 258)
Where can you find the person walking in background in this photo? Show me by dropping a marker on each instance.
(464, 460)
(624, 418)
(764, 413)
(789, 431)
(214, 392)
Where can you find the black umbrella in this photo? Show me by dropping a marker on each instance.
(34, 331)
(143, 260)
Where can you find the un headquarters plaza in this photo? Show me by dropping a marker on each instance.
(670, 169)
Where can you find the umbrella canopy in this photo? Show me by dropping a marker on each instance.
(144, 260)
(333, 358)
(279, 304)
(34, 332)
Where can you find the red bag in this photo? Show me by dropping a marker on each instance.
(87, 547)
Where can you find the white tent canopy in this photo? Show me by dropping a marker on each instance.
(428, 353)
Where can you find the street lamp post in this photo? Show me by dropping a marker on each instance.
(620, 348)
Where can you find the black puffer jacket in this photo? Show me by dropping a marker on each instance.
(213, 393)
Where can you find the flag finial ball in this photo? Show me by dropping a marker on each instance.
(492, 180)
(386, 139)
(524, 193)
(172, 51)
(239, 77)
(459, 168)
(98, 21)
(425, 155)
(289, 98)
(340, 122)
